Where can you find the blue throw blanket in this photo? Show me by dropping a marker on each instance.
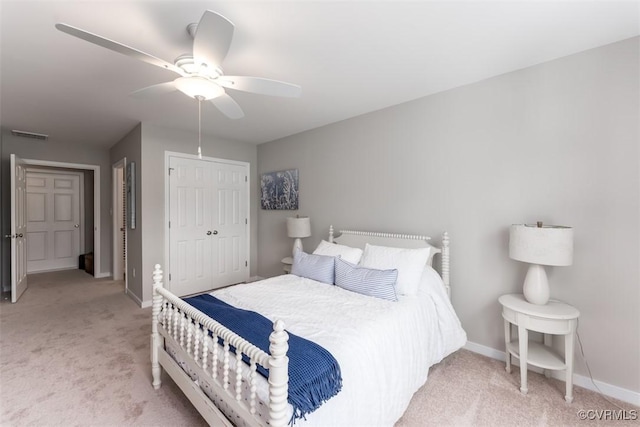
(314, 374)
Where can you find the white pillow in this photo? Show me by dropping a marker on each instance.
(347, 253)
(409, 263)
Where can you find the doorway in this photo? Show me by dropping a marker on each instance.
(18, 218)
(55, 219)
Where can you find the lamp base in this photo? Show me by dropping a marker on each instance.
(297, 244)
(536, 285)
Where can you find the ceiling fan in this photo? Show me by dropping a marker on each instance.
(200, 72)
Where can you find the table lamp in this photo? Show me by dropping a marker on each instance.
(540, 245)
(297, 228)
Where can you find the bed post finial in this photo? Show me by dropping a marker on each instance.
(445, 262)
(155, 336)
(278, 375)
(331, 234)
(157, 276)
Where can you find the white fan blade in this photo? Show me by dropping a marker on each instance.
(212, 40)
(260, 85)
(158, 89)
(228, 106)
(118, 47)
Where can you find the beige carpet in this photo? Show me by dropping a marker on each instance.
(74, 351)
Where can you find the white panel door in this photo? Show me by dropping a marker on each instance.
(18, 227)
(208, 213)
(190, 194)
(230, 225)
(53, 221)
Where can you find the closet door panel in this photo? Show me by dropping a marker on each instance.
(190, 201)
(231, 218)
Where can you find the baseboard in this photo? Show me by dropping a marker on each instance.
(53, 270)
(138, 301)
(102, 275)
(485, 351)
(616, 392)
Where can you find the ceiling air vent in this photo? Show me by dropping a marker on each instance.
(31, 135)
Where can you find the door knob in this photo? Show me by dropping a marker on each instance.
(8, 236)
(20, 235)
(208, 233)
(76, 225)
(215, 231)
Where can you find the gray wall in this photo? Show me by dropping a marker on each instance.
(131, 147)
(57, 152)
(557, 142)
(155, 141)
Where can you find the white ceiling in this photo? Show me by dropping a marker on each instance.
(350, 57)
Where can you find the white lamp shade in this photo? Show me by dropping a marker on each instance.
(299, 227)
(546, 245)
(198, 86)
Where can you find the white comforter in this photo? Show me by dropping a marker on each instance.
(384, 348)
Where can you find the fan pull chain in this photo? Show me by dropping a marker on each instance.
(199, 127)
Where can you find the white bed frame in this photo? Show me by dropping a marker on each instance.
(188, 330)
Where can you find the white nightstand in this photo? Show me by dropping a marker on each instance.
(553, 318)
(286, 264)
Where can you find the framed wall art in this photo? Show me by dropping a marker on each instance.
(279, 190)
(131, 194)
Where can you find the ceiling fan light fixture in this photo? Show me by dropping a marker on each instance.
(202, 77)
(185, 62)
(188, 64)
(198, 86)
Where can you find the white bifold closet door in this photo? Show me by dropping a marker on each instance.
(208, 209)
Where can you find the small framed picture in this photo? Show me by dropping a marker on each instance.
(279, 190)
(131, 195)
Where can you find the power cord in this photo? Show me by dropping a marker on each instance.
(584, 358)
